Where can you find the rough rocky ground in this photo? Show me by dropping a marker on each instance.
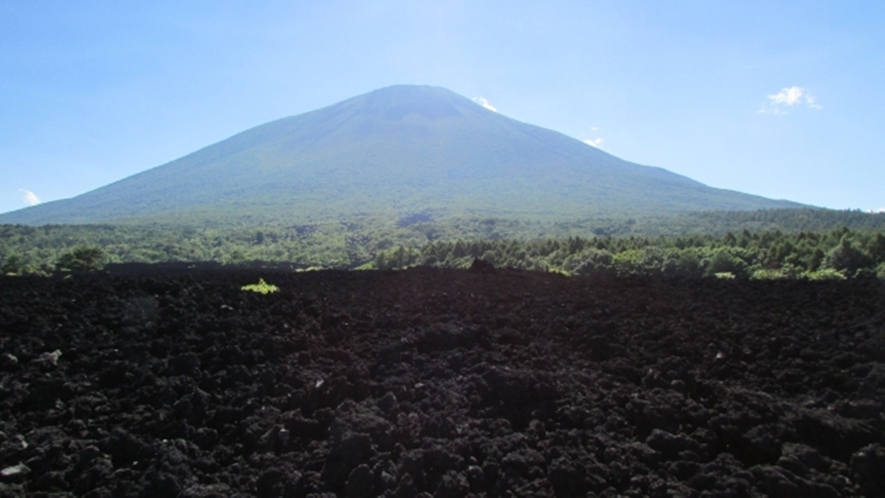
(439, 382)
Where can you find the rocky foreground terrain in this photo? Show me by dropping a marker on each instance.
(176, 382)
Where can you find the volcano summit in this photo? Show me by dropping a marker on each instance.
(392, 152)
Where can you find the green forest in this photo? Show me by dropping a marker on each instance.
(791, 243)
(837, 254)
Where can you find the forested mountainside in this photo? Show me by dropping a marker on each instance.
(391, 153)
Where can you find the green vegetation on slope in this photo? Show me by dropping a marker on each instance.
(390, 153)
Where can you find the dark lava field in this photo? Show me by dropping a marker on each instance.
(172, 382)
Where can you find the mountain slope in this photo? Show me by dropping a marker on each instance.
(394, 151)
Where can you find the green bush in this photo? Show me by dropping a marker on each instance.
(774, 273)
(846, 257)
(589, 261)
(722, 260)
(12, 265)
(81, 259)
(825, 274)
(261, 287)
(627, 261)
(681, 263)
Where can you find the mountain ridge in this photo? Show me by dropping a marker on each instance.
(397, 150)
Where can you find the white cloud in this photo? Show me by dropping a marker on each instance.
(595, 142)
(29, 197)
(789, 98)
(485, 103)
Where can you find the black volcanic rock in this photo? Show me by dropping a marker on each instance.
(394, 151)
(443, 383)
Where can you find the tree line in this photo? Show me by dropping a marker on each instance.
(837, 254)
(809, 243)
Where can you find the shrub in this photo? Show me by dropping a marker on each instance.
(724, 261)
(589, 261)
(650, 260)
(261, 287)
(12, 265)
(825, 274)
(81, 259)
(847, 258)
(682, 263)
(767, 274)
(397, 259)
(627, 261)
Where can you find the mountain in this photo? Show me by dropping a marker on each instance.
(393, 152)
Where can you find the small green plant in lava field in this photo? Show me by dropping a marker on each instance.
(262, 287)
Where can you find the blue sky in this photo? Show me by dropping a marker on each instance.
(781, 99)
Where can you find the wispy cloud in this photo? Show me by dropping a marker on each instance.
(29, 197)
(790, 98)
(485, 103)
